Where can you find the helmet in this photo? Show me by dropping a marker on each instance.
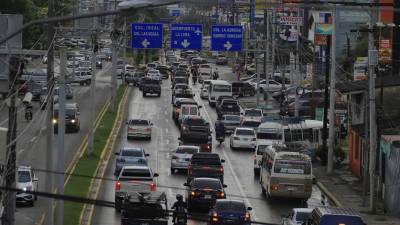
(179, 197)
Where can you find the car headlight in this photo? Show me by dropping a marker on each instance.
(54, 121)
(73, 121)
(24, 189)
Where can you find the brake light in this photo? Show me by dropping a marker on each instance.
(147, 129)
(193, 193)
(118, 186)
(130, 129)
(153, 186)
(274, 187)
(214, 217)
(221, 169)
(208, 147)
(222, 194)
(247, 216)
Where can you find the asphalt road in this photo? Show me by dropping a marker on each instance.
(238, 166)
(31, 147)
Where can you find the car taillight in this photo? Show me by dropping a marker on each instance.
(130, 129)
(117, 186)
(193, 193)
(221, 194)
(221, 169)
(274, 187)
(236, 138)
(147, 129)
(153, 186)
(208, 147)
(214, 217)
(247, 216)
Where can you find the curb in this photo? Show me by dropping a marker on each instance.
(95, 184)
(335, 202)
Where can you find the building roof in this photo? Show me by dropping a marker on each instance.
(358, 86)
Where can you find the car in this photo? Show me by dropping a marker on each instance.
(297, 216)
(258, 154)
(176, 106)
(150, 86)
(150, 66)
(205, 164)
(181, 157)
(128, 156)
(241, 88)
(204, 76)
(154, 74)
(305, 108)
(72, 120)
(129, 69)
(195, 128)
(253, 76)
(163, 71)
(272, 86)
(230, 122)
(252, 113)
(26, 180)
(188, 110)
(243, 137)
(204, 191)
(221, 60)
(135, 78)
(250, 123)
(139, 128)
(227, 211)
(69, 94)
(99, 64)
(204, 92)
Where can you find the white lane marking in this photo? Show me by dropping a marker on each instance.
(235, 177)
(33, 139)
(20, 151)
(165, 113)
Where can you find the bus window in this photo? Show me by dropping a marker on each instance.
(308, 135)
(288, 135)
(297, 135)
(291, 167)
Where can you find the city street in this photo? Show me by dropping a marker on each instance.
(239, 178)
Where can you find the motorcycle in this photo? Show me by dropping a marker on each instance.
(194, 79)
(181, 216)
(220, 138)
(28, 113)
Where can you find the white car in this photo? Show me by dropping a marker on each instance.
(26, 181)
(297, 216)
(139, 128)
(273, 86)
(154, 74)
(243, 137)
(252, 113)
(181, 157)
(204, 92)
(204, 76)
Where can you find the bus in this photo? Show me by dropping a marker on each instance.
(309, 131)
(218, 88)
(285, 174)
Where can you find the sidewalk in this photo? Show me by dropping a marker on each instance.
(343, 189)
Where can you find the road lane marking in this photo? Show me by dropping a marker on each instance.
(33, 139)
(234, 175)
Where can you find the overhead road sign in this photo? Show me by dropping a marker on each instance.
(147, 35)
(227, 38)
(186, 36)
(175, 12)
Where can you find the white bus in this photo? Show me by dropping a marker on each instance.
(307, 130)
(218, 88)
(285, 174)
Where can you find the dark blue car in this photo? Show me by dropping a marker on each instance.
(227, 211)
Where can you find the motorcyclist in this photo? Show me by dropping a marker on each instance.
(28, 112)
(216, 74)
(219, 129)
(177, 206)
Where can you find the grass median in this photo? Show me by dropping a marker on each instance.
(87, 165)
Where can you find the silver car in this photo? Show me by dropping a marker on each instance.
(128, 156)
(139, 128)
(182, 155)
(230, 122)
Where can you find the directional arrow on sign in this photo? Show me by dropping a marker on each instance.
(228, 45)
(185, 43)
(145, 43)
(198, 32)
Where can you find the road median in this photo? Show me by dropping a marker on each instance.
(90, 165)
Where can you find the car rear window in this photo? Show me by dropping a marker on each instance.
(139, 122)
(132, 153)
(230, 206)
(206, 183)
(187, 150)
(251, 123)
(244, 132)
(302, 216)
(151, 81)
(196, 122)
(253, 112)
(232, 118)
(136, 173)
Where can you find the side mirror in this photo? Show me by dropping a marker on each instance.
(117, 153)
(224, 185)
(155, 175)
(147, 154)
(200, 106)
(222, 160)
(249, 208)
(179, 139)
(186, 184)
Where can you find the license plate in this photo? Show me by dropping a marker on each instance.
(245, 139)
(207, 196)
(291, 188)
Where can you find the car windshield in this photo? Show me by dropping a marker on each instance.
(68, 112)
(151, 81)
(230, 206)
(253, 112)
(189, 111)
(196, 122)
(187, 150)
(136, 173)
(139, 75)
(222, 88)
(251, 123)
(181, 86)
(245, 132)
(139, 122)
(232, 118)
(24, 176)
(302, 216)
(269, 136)
(132, 153)
(151, 65)
(292, 167)
(207, 183)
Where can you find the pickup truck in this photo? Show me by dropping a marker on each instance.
(205, 165)
(81, 77)
(228, 107)
(132, 179)
(150, 86)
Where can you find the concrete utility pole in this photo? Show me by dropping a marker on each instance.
(90, 148)
(114, 75)
(297, 68)
(372, 62)
(332, 94)
(49, 181)
(15, 70)
(124, 52)
(266, 54)
(61, 137)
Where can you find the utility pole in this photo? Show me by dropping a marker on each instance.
(332, 94)
(90, 148)
(49, 181)
(266, 54)
(15, 70)
(372, 62)
(297, 68)
(61, 137)
(114, 74)
(124, 51)
(326, 102)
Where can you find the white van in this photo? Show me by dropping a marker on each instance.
(188, 110)
(218, 88)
